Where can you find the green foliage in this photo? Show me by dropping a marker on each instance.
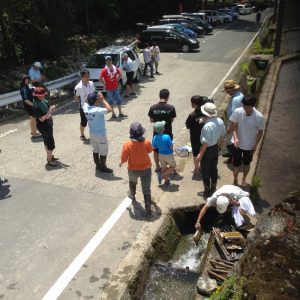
(229, 290)
(257, 48)
(255, 185)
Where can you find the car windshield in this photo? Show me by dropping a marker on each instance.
(97, 61)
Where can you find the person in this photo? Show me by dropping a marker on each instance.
(162, 143)
(26, 94)
(231, 88)
(136, 153)
(82, 89)
(43, 113)
(195, 123)
(148, 60)
(248, 127)
(229, 195)
(162, 111)
(211, 136)
(258, 16)
(95, 108)
(155, 51)
(127, 66)
(110, 76)
(35, 74)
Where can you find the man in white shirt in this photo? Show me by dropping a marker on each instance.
(155, 56)
(211, 134)
(148, 60)
(82, 89)
(248, 127)
(229, 195)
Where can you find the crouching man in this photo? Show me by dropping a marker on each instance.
(95, 109)
(239, 200)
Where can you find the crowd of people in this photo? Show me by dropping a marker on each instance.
(208, 132)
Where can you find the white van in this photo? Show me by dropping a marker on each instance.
(96, 63)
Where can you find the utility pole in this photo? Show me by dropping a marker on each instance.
(279, 26)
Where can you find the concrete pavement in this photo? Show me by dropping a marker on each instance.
(49, 216)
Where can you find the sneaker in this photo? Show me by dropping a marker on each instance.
(126, 96)
(52, 163)
(133, 93)
(122, 116)
(3, 180)
(113, 116)
(106, 170)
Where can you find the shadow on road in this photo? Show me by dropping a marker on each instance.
(107, 176)
(4, 191)
(138, 212)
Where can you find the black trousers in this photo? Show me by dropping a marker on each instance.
(209, 165)
(150, 64)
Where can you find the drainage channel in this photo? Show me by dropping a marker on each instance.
(177, 262)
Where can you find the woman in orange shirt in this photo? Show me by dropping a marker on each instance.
(136, 153)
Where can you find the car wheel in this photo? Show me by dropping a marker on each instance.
(185, 48)
(138, 75)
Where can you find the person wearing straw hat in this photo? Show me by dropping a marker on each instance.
(136, 153)
(241, 205)
(110, 77)
(43, 113)
(212, 134)
(231, 88)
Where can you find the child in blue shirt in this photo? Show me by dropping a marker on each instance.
(163, 143)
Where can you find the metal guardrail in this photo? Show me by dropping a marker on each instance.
(13, 97)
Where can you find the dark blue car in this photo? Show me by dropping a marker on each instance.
(188, 32)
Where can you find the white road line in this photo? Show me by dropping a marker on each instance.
(234, 65)
(8, 132)
(58, 287)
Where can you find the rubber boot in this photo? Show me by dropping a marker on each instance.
(147, 199)
(103, 167)
(97, 160)
(132, 191)
(213, 187)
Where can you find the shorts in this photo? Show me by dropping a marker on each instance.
(129, 76)
(196, 147)
(99, 144)
(114, 97)
(167, 160)
(47, 135)
(29, 110)
(239, 156)
(83, 120)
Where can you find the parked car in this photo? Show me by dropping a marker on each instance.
(229, 12)
(244, 9)
(201, 15)
(227, 18)
(195, 18)
(211, 18)
(96, 63)
(185, 22)
(180, 28)
(167, 40)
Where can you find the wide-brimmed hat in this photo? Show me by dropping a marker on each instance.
(230, 85)
(209, 109)
(136, 131)
(91, 98)
(222, 204)
(159, 126)
(37, 64)
(39, 92)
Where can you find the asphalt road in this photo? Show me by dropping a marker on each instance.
(48, 216)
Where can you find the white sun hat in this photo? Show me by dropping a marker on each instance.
(209, 109)
(222, 204)
(37, 64)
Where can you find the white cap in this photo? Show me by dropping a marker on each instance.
(222, 204)
(37, 64)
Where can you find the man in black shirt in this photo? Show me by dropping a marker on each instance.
(195, 123)
(162, 111)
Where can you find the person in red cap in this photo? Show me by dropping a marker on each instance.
(43, 113)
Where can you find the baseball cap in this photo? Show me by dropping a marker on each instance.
(108, 57)
(222, 204)
(91, 98)
(159, 126)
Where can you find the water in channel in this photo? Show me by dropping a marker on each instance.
(177, 279)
